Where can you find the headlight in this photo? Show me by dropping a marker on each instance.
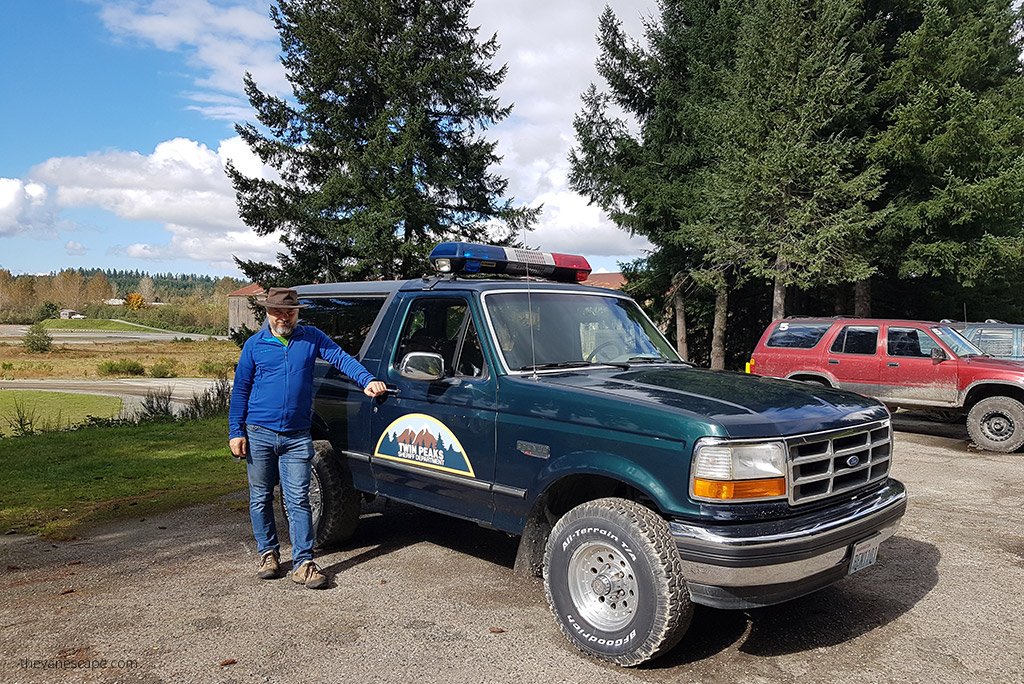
(724, 471)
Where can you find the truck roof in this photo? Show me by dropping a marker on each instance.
(388, 287)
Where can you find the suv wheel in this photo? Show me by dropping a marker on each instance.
(333, 500)
(997, 424)
(613, 579)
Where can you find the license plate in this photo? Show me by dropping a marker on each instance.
(864, 554)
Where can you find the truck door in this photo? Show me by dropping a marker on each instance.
(434, 440)
(909, 373)
(853, 360)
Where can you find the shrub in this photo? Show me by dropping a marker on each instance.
(47, 310)
(121, 367)
(216, 369)
(155, 405)
(211, 403)
(37, 340)
(164, 368)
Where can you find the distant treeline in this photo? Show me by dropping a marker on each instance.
(168, 285)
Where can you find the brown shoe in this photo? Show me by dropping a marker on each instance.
(310, 575)
(270, 566)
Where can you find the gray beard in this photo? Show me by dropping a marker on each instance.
(285, 331)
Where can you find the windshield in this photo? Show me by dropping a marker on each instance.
(957, 343)
(572, 329)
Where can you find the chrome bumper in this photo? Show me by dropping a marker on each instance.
(759, 564)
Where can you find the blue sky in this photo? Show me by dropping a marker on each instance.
(118, 116)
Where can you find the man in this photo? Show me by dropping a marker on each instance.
(269, 421)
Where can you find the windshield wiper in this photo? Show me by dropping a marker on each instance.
(573, 364)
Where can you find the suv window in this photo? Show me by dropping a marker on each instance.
(995, 341)
(910, 342)
(445, 327)
(856, 339)
(346, 321)
(789, 335)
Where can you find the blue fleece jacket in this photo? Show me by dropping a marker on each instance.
(274, 383)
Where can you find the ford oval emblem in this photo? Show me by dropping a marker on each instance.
(853, 461)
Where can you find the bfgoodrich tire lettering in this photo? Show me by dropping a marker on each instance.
(613, 580)
(997, 424)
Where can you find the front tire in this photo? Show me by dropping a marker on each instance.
(997, 424)
(614, 582)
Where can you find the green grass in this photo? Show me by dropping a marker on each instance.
(56, 483)
(58, 409)
(87, 324)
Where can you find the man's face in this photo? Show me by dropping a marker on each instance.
(283, 321)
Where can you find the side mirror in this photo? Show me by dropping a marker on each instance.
(938, 354)
(422, 366)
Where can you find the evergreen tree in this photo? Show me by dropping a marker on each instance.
(379, 150)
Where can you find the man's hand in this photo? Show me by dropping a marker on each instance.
(238, 446)
(375, 389)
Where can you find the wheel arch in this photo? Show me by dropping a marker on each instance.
(805, 376)
(976, 393)
(587, 477)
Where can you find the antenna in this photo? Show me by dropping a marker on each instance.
(965, 313)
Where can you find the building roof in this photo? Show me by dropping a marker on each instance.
(248, 291)
(612, 281)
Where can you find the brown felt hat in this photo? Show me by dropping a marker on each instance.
(282, 298)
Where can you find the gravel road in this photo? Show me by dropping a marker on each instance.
(423, 597)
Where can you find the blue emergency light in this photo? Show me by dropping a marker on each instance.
(468, 257)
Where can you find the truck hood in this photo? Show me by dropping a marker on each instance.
(992, 363)
(740, 405)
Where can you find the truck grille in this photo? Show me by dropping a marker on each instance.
(825, 464)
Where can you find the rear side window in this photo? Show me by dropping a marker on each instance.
(346, 321)
(856, 339)
(790, 335)
(997, 342)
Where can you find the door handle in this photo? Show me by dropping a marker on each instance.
(834, 362)
(893, 364)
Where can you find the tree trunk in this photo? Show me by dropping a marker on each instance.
(862, 298)
(680, 307)
(718, 333)
(778, 300)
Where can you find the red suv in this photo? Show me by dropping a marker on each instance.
(910, 364)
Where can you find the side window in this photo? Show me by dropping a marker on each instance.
(790, 335)
(856, 339)
(347, 321)
(445, 327)
(909, 342)
(997, 342)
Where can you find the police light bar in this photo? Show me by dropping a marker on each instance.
(467, 257)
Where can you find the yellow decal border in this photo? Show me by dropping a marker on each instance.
(422, 416)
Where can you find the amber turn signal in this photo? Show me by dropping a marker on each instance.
(739, 489)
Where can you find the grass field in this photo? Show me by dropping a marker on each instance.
(56, 482)
(53, 409)
(89, 324)
(199, 359)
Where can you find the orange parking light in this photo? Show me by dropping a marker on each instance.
(739, 489)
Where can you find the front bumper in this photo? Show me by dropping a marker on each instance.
(759, 564)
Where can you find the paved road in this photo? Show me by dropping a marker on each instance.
(418, 596)
(131, 391)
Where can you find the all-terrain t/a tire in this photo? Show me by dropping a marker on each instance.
(334, 501)
(614, 582)
(997, 424)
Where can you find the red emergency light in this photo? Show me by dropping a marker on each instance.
(468, 257)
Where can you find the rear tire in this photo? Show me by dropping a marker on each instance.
(334, 501)
(614, 582)
(997, 424)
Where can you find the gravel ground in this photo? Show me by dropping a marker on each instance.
(420, 596)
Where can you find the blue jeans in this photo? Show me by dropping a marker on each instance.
(285, 458)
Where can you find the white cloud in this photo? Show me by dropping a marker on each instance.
(72, 248)
(26, 207)
(182, 185)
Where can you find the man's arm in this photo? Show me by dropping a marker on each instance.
(329, 351)
(240, 390)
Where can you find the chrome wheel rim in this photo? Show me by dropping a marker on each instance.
(316, 503)
(603, 586)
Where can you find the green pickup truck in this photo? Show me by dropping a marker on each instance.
(638, 483)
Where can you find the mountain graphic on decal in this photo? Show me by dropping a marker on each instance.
(423, 437)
